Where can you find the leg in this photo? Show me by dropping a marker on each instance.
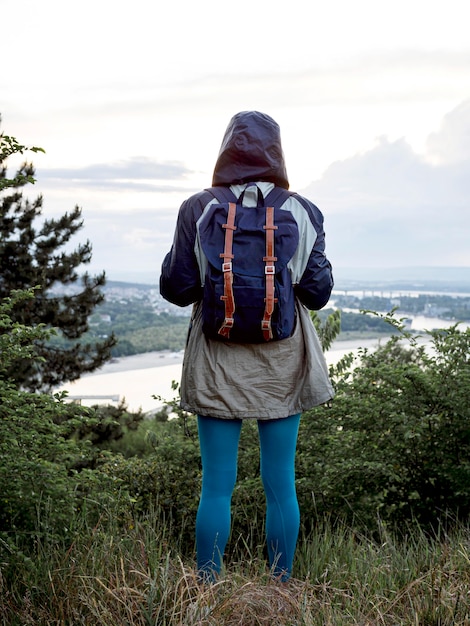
(278, 440)
(218, 440)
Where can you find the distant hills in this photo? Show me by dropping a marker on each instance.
(444, 279)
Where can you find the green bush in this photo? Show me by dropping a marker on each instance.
(41, 489)
(395, 441)
(168, 479)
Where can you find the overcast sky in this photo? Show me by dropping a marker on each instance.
(130, 100)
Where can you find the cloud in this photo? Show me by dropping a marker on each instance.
(126, 242)
(392, 207)
(366, 78)
(378, 77)
(385, 207)
(451, 144)
(134, 174)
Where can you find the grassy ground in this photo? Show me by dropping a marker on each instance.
(137, 577)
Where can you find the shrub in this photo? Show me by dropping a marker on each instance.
(395, 441)
(40, 453)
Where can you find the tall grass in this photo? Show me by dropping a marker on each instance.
(139, 576)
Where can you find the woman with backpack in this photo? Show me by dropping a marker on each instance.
(250, 256)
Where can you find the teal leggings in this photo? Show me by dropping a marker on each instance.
(219, 452)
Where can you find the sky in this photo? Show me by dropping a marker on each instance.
(130, 101)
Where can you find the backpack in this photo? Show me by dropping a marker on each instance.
(248, 293)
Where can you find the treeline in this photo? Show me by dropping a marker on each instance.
(443, 306)
(138, 328)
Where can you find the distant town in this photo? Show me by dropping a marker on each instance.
(144, 322)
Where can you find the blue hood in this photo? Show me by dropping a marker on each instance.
(251, 151)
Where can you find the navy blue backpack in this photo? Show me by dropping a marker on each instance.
(248, 292)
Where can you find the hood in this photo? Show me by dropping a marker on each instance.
(251, 151)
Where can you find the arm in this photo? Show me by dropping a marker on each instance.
(315, 286)
(180, 281)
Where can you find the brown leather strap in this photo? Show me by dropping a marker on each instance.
(227, 256)
(270, 272)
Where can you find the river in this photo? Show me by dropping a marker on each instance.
(136, 379)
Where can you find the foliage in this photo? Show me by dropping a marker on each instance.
(32, 256)
(108, 424)
(45, 446)
(16, 340)
(168, 477)
(34, 453)
(329, 329)
(342, 324)
(395, 441)
(8, 147)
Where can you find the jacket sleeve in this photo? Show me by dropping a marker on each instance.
(315, 286)
(180, 281)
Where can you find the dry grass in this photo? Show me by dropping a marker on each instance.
(137, 580)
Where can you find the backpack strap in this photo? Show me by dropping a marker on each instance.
(276, 197)
(222, 194)
(270, 271)
(227, 256)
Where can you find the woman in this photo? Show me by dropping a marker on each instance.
(224, 382)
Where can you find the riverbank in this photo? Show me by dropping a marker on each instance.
(136, 379)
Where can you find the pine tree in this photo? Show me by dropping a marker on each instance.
(32, 255)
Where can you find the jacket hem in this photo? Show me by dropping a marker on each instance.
(256, 415)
